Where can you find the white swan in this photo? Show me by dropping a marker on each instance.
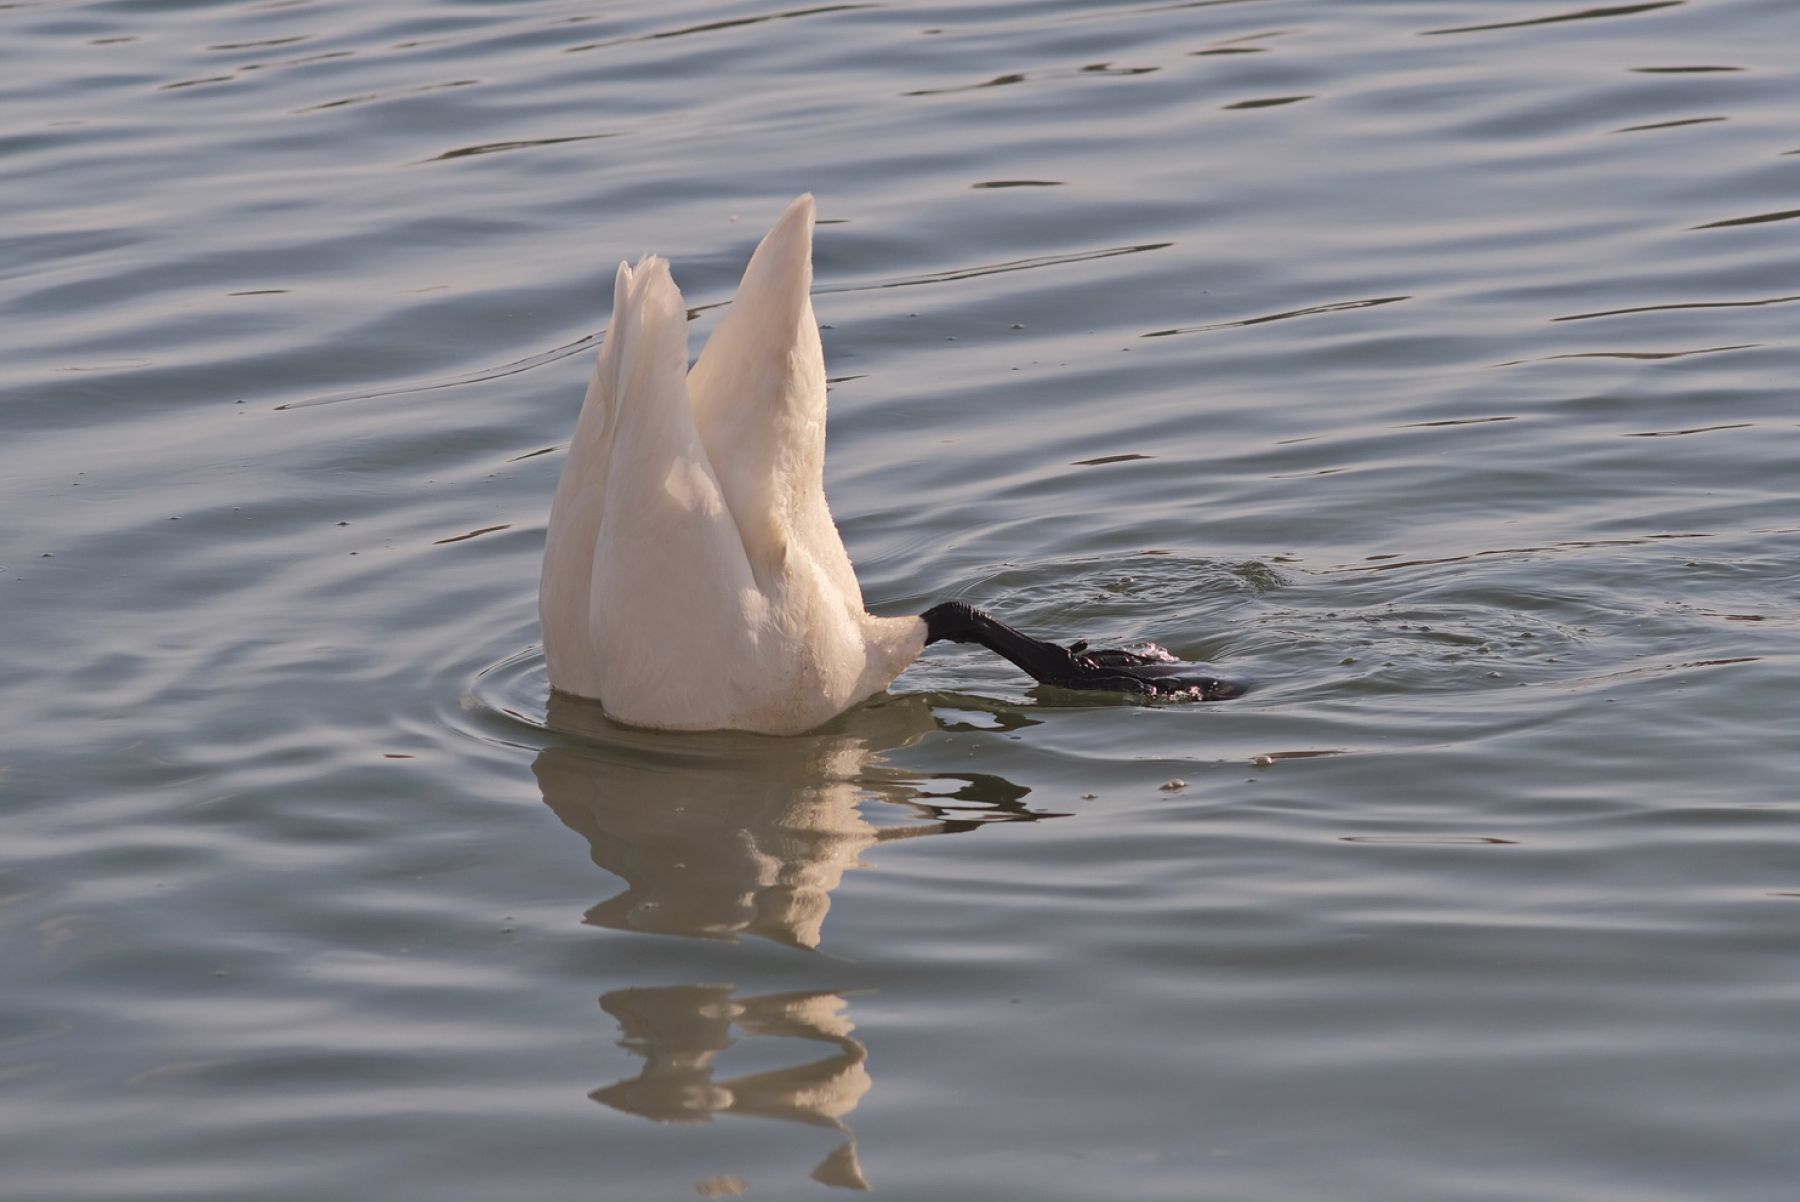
(693, 578)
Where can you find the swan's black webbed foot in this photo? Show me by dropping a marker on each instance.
(1075, 666)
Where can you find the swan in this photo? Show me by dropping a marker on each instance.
(693, 578)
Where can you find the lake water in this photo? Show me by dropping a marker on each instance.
(1432, 362)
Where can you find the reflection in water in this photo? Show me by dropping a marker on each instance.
(680, 1030)
(726, 834)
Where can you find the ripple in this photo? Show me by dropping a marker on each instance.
(464, 152)
(998, 81)
(1745, 304)
(1455, 421)
(1267, 102)
(1632, 129)
(477, 533)
(262, 43)
(373, 97)
(511, 692)
(1642, 355)
(969, 273)
(1757, 219)
(1105, 459)
(480, 376)
(1308, 311)
(1577, 545)
(1690, 430)
(721, 25)
(194, 83)
(1586, 14)
(1431, 840)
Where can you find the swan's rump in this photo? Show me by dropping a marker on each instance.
(693, 577)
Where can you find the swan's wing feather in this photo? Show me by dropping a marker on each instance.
(672, 589)
(758, 394)
(566, 582)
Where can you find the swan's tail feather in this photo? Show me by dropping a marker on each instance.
(575, 512)
(758, 366)
(758, 393)
(649, 373)
(777, 285)
(669, 571)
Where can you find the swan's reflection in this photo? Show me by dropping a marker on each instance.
(724, 835)
(680, 1030)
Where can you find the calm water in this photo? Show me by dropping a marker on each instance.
(1433, 362)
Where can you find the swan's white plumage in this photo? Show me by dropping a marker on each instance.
(693, 578)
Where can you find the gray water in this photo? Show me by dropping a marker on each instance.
(1432, 362)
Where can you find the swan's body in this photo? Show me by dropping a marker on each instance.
(693, 578)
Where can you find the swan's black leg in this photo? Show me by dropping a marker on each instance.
(1074, 666)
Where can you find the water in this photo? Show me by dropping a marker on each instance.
(1431, 362)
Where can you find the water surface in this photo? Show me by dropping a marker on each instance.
(1432, 362)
